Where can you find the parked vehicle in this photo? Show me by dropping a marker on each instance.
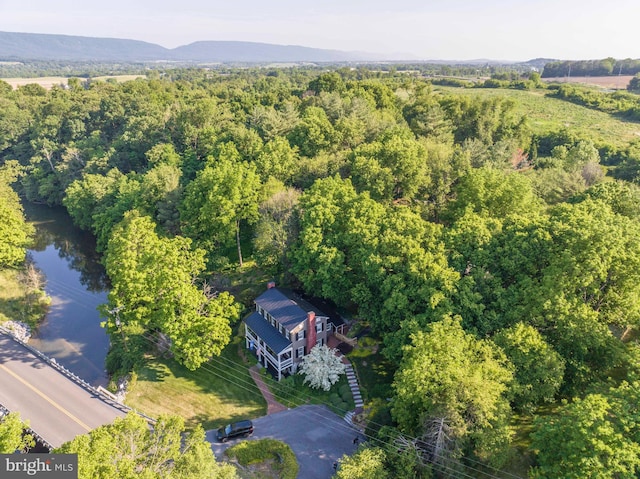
(240, 428)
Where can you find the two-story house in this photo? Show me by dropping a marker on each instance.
(283, 329)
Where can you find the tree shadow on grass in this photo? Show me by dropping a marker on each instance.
(152, 371)
(219, 392)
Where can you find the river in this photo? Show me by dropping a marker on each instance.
(77, 284)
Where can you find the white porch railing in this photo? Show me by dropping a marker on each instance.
(278, 363)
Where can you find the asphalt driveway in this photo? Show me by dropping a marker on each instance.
(317, 436)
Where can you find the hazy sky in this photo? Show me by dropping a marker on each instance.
(426, 29)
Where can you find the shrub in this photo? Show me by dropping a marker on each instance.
(345, 391)
(255, 452)
(379, 416)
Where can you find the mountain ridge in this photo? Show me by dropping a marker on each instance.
(19, 46)
(54, 47)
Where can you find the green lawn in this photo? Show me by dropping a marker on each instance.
(220, 392)
(547, 114)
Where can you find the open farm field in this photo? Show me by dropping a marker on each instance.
(48, 82)
(547, 114)
(616, 82)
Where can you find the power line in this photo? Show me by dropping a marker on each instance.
(296, 398)
(296, 392)
(250, 386)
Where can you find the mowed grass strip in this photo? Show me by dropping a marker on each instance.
(546, 114)
(216, 394)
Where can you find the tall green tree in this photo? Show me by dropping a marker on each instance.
(494, 193)
(426, 117)
(15, 232)
(449, 374)
(128, 449)
(394, 168)
(593, 437)
(278, 160)
(12, 434)
(83, 197)
(314, 133)
(276, 229)
(366, 463)
(154, 288)
(539, 369)
(215, 203)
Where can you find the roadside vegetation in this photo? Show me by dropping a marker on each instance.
(134, 449)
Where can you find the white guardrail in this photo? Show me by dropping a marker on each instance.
(102, 393)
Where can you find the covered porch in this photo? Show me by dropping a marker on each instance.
(271, 348)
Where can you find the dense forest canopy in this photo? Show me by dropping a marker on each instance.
(480, 250)
(606, 66)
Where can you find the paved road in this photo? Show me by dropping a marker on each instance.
(57, 408)
(317, 436)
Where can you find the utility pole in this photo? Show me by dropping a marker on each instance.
(116, 311)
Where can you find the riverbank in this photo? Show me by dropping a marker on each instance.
(22, 296)
(76, 282)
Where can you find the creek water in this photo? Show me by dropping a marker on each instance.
(77, 284)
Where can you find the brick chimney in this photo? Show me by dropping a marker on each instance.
(311, 330)
(271, 284)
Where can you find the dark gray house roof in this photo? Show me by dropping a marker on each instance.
(270, 335)
(285, 307)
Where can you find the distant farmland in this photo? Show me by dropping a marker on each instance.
(619, 82)
(546, 114)
(48, 82)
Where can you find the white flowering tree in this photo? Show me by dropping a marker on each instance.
(322, 368)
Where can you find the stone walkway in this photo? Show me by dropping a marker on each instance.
(273, 406)
(353, 384)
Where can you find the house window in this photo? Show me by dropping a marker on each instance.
(300, 336)
(319, 327)
(300, 352)
(287, 335)
(281, 328)
(320, 342)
